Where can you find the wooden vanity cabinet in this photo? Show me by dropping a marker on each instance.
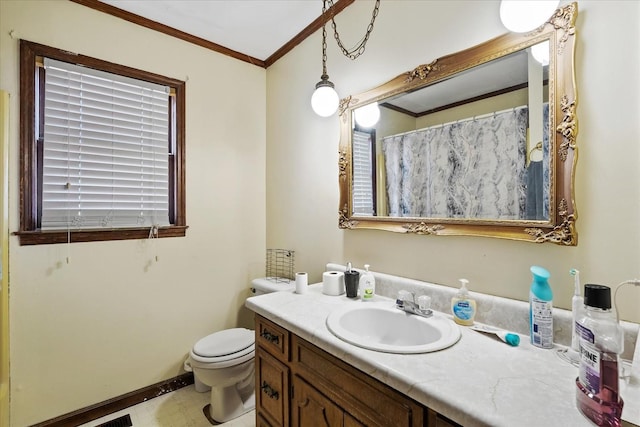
(301, 385)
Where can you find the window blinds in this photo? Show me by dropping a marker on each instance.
(362, 174)
(105, 153)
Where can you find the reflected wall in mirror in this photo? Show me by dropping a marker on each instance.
(479, 142)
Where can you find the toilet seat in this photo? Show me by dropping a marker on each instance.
(225, 348)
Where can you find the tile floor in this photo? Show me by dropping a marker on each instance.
(180, 408)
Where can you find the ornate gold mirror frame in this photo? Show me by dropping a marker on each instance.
(560, 226)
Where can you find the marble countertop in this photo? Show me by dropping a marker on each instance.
(480, 381)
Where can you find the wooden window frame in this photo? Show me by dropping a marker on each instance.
(30, 176)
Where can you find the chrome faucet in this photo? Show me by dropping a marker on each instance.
(406, 301)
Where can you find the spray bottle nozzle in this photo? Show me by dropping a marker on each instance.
(577, 302)
(576, 281)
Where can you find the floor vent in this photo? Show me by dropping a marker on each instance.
(124, 421)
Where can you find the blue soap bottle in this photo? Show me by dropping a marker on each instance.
(541, 309)
(463, 307)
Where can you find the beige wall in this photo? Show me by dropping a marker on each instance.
(4, 264)
(113, 321)
(501, 102)
(394, 122)
(302, 152)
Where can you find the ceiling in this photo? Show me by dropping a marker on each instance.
(253, 28)
(262, 31)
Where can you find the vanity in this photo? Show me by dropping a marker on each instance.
(306, 384)
(304, 373)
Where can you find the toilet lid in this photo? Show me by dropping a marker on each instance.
(225, 342)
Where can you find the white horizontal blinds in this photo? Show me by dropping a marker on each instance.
(362, 174)
(106, 142)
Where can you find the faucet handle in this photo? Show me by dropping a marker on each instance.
(403, 296)
(424, 302)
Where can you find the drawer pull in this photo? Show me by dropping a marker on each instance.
(273, 394)
(270, 337)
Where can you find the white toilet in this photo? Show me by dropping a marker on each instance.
(224, 362)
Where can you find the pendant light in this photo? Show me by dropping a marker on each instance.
(521, 16)
(325, 99)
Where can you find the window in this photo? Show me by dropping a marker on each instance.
(364, 172)
(102, 150)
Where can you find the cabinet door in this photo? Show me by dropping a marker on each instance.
(312, 409)
(260, 421)
(272, 389)
(349, 421)
(438, 420)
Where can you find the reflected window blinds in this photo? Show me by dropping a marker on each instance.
(363, 203)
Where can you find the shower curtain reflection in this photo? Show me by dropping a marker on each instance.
(473, 168)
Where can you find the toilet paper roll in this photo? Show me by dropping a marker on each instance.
(333, 283)
(302, 281)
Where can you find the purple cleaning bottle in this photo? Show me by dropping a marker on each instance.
(601, 341)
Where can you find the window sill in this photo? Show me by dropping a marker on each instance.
(38, 237)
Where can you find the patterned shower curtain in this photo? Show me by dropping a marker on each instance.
(469, 169)
(546, 162)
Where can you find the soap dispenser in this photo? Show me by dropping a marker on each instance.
(462, 306)
(367, 284)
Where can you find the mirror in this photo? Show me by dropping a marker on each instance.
(481, 142)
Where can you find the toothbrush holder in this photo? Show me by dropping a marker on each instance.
(351, 280)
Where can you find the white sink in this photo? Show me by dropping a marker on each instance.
(382, 327)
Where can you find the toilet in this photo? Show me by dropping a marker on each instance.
(224, 362)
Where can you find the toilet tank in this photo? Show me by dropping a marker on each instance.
(266, 285)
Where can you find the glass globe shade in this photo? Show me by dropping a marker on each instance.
(540, 52)
(324, 101)
(368, 115)
(521, 16)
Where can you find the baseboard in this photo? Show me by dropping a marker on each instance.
(93, 412)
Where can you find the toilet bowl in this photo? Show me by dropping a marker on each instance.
(224, 362)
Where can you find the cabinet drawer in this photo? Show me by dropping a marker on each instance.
(369, 401)
(273, 338)
(272, 389)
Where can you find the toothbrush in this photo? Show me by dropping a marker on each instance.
(576, 306)
(508, 337)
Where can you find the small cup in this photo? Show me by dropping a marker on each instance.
(301, 282)
(351, 281)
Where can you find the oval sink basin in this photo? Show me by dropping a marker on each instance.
(383, 327)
